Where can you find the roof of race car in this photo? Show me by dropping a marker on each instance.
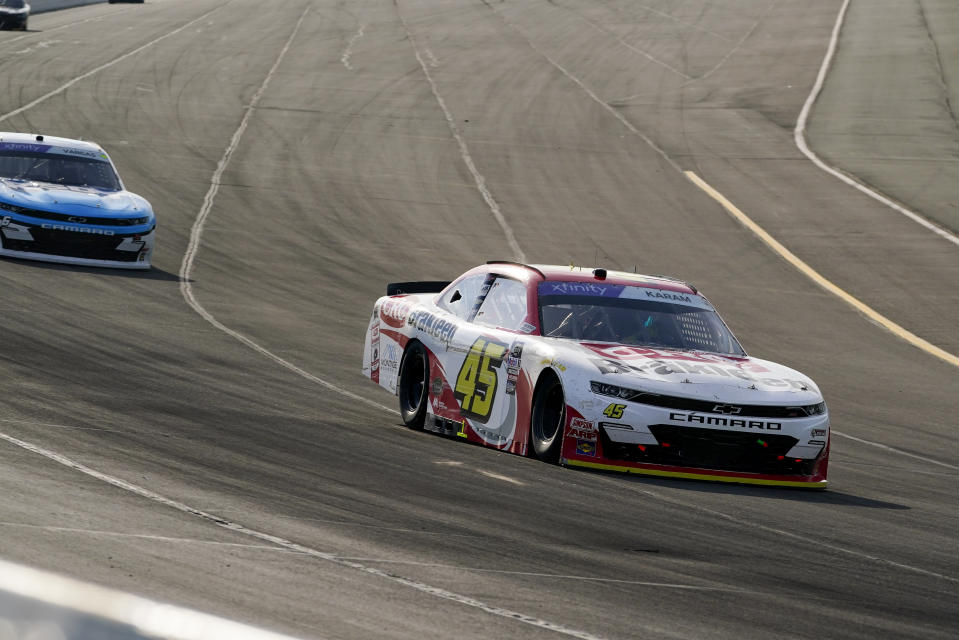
(32, 138)
(588, 274)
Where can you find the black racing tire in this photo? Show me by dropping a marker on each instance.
(413, 385)
(548, 418)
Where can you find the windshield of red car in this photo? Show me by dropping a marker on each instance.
(633, 315)
(58, 169)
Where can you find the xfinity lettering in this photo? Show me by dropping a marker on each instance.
(695, 418)
(573, 288)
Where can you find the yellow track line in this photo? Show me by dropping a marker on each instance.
(816, 277)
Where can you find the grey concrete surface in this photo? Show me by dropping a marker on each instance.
(887, 115)
(347, 178)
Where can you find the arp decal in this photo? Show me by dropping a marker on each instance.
(582, 429)
(477, 379)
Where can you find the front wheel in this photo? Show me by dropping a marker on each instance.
(413, 384)
(548, 418)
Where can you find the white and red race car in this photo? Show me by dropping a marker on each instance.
(594, 368)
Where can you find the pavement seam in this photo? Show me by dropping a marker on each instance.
(799, 136)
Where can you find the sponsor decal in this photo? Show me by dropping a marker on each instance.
(437, 386)
(552, 363)
(695, 418)
(819, 442)
(24, 146)
(527, 327)
(5, 221)
(375, 347)
(620, 359)
(582, 429)
(577, 288)
(514, 361)
(492, 437)
(395, 312)
(630, 292)
(442, 330)
(818, 433)
(78, 152)
(667, 295)
(585, 448)
(391, 358)
(63, 227)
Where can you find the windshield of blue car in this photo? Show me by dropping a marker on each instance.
(58, 169)
(637, 321)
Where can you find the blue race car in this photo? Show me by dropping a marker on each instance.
(61, 200)
(14, 14)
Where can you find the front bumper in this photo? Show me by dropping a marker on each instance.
(662, 442)
(9, 20)
(40, 242)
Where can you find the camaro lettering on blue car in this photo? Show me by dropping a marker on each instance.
(63, 227)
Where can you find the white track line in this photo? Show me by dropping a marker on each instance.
(733, 50)
(142, 536)
(465, 152)
(187, 290)
(186, 267)
(107, 65)
(776, 247)
(817, 543)
(348, 51)
(800, 137)
(559, 576)
(579, 83)
(898, 452)
(292, 546)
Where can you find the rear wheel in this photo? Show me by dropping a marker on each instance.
(548, 418)
(413, 384)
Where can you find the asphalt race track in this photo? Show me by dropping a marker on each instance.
(237, 392)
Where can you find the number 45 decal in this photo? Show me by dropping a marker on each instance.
(477, 379)
(614, 411)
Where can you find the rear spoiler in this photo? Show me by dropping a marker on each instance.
(429, 286)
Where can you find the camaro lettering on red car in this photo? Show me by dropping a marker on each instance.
(725, 422)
